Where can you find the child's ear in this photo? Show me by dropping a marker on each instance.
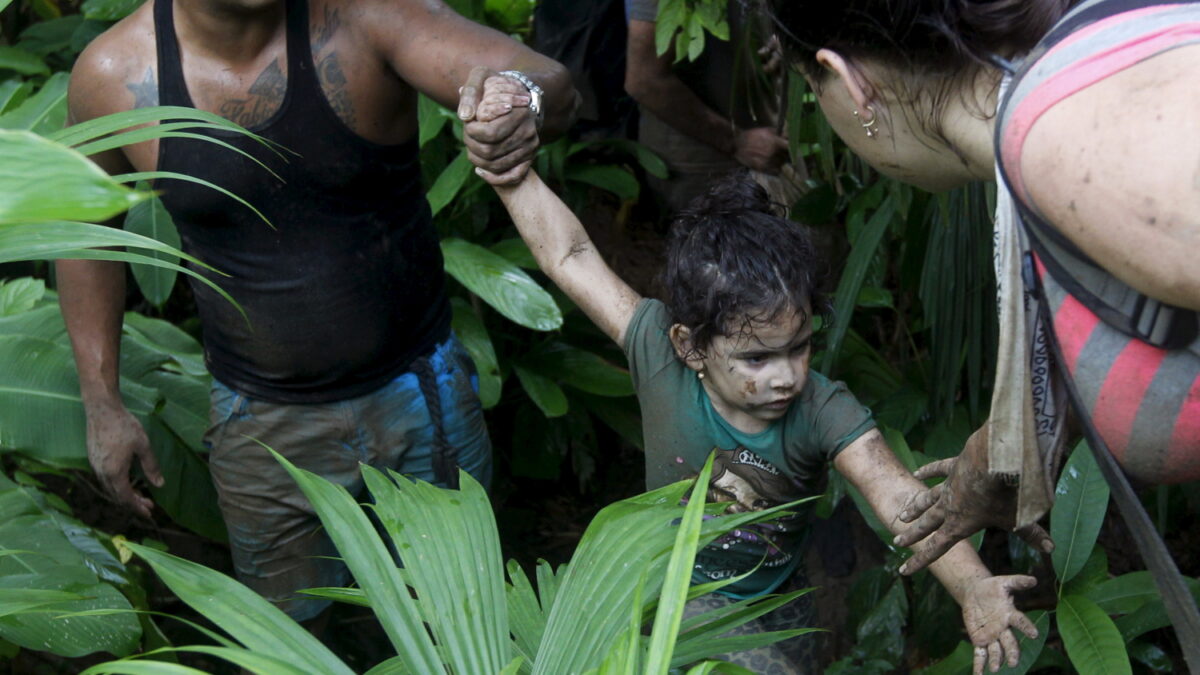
(681, 340)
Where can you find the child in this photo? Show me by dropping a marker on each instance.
(724, 364)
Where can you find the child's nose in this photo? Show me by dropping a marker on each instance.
(784, 378)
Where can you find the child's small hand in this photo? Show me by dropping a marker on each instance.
(989, 614)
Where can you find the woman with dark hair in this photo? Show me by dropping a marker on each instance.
(1085, 112)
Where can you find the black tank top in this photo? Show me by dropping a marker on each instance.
(348, 287)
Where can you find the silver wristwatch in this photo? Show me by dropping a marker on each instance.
(535, 94)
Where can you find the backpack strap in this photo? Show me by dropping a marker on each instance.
(1181, 608)
(1116, 303)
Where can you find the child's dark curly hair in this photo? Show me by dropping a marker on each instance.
(733, 259)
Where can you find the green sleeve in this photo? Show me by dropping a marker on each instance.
(844, 420)
(647, 345)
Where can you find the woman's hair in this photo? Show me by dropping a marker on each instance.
(733, 260)
(934, 47)
(942, 36)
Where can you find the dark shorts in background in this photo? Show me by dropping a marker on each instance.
(276, 539)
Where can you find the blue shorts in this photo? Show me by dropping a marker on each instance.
(276, 538)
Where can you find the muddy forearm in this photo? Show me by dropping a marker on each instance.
(92, 298)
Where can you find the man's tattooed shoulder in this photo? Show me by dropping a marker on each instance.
(145, 93)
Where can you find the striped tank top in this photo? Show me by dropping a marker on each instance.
(1143, 399)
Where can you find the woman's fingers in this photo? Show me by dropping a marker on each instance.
(938, 469)
(1036, 537)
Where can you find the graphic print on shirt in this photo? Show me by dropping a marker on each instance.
(751, 484)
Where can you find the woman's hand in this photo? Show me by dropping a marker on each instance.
(989, 616)
(969, 500)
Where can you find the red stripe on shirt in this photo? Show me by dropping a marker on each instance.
(1183, 452)
(1125, 386)
(1073, 324)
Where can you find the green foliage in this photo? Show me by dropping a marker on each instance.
(1090, 637)
(163, 382)
(503, 285)
(460, 614)
(53, 568)
(685, 23)
(1081, 500)
(150, 219)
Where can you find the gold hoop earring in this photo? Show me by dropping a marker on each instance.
(869, 125)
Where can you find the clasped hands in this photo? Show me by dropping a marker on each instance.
(500, 145)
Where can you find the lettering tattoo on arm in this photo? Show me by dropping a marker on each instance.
(266, 95)
(145, 93)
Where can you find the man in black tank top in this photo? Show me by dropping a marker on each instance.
(347, 355)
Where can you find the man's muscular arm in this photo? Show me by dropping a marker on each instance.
(438, 52)
(92, 292)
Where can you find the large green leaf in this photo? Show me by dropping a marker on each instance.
(150, 219)
(1081, 500)
(581, 369)
(615, 179)
(474, 335)
(447, 185)
(21, 61)
(58, 565)
(516, 251)
(184, 352)
(241, 612)
(450, 547)
(373, 568)
(861, 255)
(652, 163)
(13, 92)
(678, 578)
(1092, 640)
(526, 616)
(545, 394)
(44, 112)
(501, 284)
(1126, 593)
(20, 295)
(42, 180)
(39, 392)
(432, 118)
(1152, 614)
(110, 10)
(625, 542)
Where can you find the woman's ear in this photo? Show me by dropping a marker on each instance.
(681, 340)
(849, 76)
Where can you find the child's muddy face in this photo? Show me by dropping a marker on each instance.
(753, 378)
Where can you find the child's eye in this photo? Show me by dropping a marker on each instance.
(755, 359)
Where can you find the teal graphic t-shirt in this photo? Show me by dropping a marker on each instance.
(783, 463)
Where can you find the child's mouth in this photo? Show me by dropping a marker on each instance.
(778, 404)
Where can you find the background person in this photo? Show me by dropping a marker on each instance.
(698, 115)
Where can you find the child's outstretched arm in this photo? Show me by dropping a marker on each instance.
(567, 255)
(986, 600)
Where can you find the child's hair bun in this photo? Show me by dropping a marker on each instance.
(733, 195)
